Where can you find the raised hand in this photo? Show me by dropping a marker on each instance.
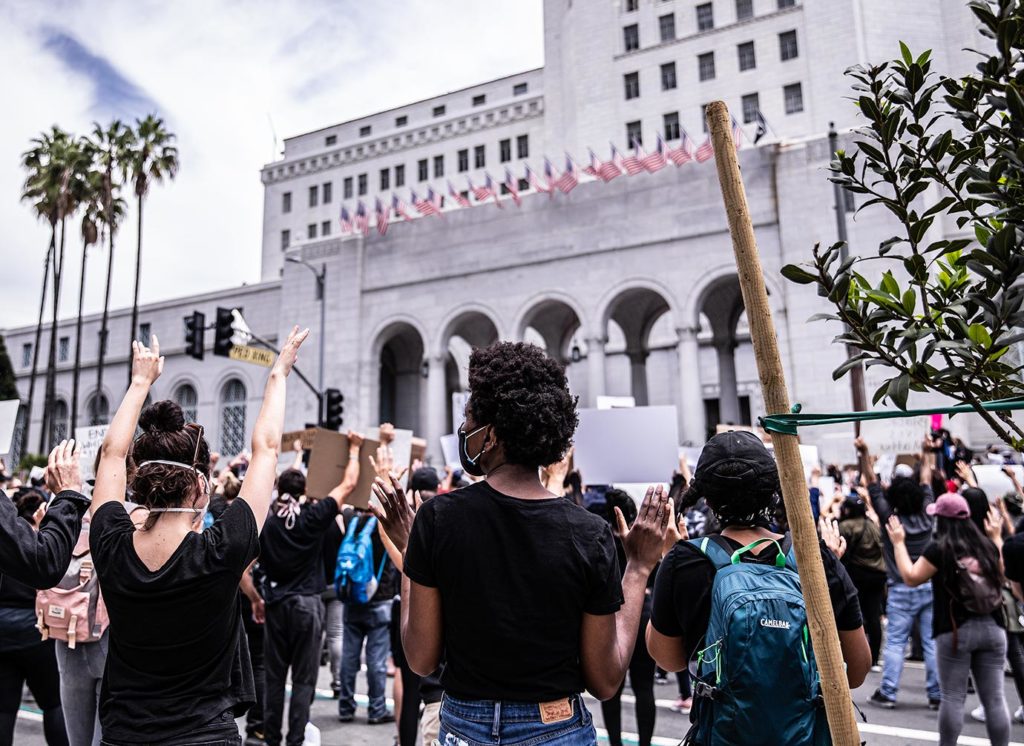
(62, 467)
(290, 351)
(835, 541)
(147, 364)
(384, 463)
(645, 540)
(675, 531)
(994, 524)
(897, 534)
(395, 513)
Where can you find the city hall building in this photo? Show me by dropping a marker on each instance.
(631, 284)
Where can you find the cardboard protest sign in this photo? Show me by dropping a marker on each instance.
(995, 483)
(306, 436)
(327, 462)
(89, 439)
(8, 419)
(895, 436)
(639, 444)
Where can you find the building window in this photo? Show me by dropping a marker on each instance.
(438, 166)
(187, 398)
(364, 131)
(783, 4)
(385, 179)
(480, 99)
(326, 191)
(98, 410)
(634, 135)
(519, 89)
(232, 418)
(26, 355)
(439, 110)
(346, 188)
(504, 150)
(751, 105)
(311, 231)
(463, 158)
(631, 37)
(668, 76)
(400, 175)
(286, 202)
(631, 82)
(325, 228)
(63, 349)
(401, 121)
(706, 66)
(667, 26)
(314, 196)
(744, 9)
(794, 96)
(479, 158)
(632, 5)
(705, 17)
(58, 422)
(362, 184)
(286, 239)
(523, 185)
(523, 146)
(746, 55)
(788, 49)
(330, 140)
(145, 331)
(421, 167)
(672, 125)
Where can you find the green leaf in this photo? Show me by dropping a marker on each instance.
(979, 335)
(909, 301)
(799, 275)
(899, 389)
(853, 362)
(908, 58)
(890, 285)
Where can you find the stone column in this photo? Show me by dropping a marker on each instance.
(638, 375)
(691, 415)
(595, 369)
(437, 408)
(728, 397)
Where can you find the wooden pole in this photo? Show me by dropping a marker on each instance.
(820, 618)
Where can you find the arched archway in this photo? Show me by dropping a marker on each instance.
(555, 325)
(59, 422)
(720, 303)
(232, 417)
(97, 409)
(400, 380)
(187, 398)
(462, 334)
(635, 311)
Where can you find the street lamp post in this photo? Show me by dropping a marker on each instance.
(321, 295)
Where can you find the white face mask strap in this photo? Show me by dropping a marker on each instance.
(180, 465)
(175, 510)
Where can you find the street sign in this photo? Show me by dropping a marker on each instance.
(254, 355)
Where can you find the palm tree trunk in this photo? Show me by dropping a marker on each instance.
(35, 346)
(51, 367)
(78, 340)
(104, 333)
(135, 300)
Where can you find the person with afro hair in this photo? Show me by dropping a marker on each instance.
(520, 588)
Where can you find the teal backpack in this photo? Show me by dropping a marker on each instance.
(354, 579)
(755, 680)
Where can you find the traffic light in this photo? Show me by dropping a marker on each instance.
(222, 331)
(195, 331)
(333, 409)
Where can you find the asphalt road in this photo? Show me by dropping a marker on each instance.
(911, 723)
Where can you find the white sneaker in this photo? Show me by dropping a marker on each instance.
(1018, 716)
(876, 669)
(978, 713)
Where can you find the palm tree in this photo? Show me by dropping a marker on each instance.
(86, 191)
(112, 146)
(152, 158)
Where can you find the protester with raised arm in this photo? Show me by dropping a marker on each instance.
(518, 587)
(178, 669)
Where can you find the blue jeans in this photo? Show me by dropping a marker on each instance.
(370, 623)
(487, 723)
(906, 608)
(81, 673)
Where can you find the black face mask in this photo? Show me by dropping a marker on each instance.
(470, 465)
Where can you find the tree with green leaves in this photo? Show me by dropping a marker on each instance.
(939, 314)
(8, 384)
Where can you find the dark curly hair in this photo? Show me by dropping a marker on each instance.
(165, 436)
(905, 496)
(27, 500)
(524, 395)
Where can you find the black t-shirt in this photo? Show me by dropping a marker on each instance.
(946, 607)
(178, 657)
(1013, 557)
(515, 577)
(918, 528)
(289, 557)
(682, 590)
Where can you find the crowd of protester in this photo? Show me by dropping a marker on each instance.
(181, 597)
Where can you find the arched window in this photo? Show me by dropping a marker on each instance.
(20, 423)
(58, 422)
(187, 398)
(98, 409)
(232, 417)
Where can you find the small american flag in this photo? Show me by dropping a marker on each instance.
(459, 199)
(435, 199)
(492, 189)
(346, 220)
(656, 160)
(549, 174)
(568, 180)
(595, 164)
(534, 181)
(383, 213)
(633, 163)
(513, 187)
(684, 153)
(705, 151)
(610, 168)
(424, 206)
(737, 133)
(361, 222)
(399, 207)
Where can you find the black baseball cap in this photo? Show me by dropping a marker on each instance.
(735, 447)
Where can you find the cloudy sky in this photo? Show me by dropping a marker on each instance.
(225, 75)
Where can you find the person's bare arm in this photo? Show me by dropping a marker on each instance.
(913, 573)
(297, 447)
(248, 588)
(422, 632)
(966, 473)
(112, 472)
(258, 485)
(856, 654)
(607, 641)
(867, 468)
(668, 652)
(927, 463)
(350, 478)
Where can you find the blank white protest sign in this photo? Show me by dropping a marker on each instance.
(638, 444)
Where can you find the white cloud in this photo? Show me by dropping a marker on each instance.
(217, 69)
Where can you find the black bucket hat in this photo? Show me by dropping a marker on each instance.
(758, 473)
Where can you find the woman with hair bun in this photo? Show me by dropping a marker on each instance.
(178, 669)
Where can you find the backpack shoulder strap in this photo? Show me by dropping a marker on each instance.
(710, 548)
(786, 548)
(369, 527)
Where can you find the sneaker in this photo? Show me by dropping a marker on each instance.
(254, 741)
(660, 678)
(880, 700)
(978, 713)
(1018, 716)
(682, 706)
(387, 717)
(876, 669)
(935, 702)
(346, 717)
